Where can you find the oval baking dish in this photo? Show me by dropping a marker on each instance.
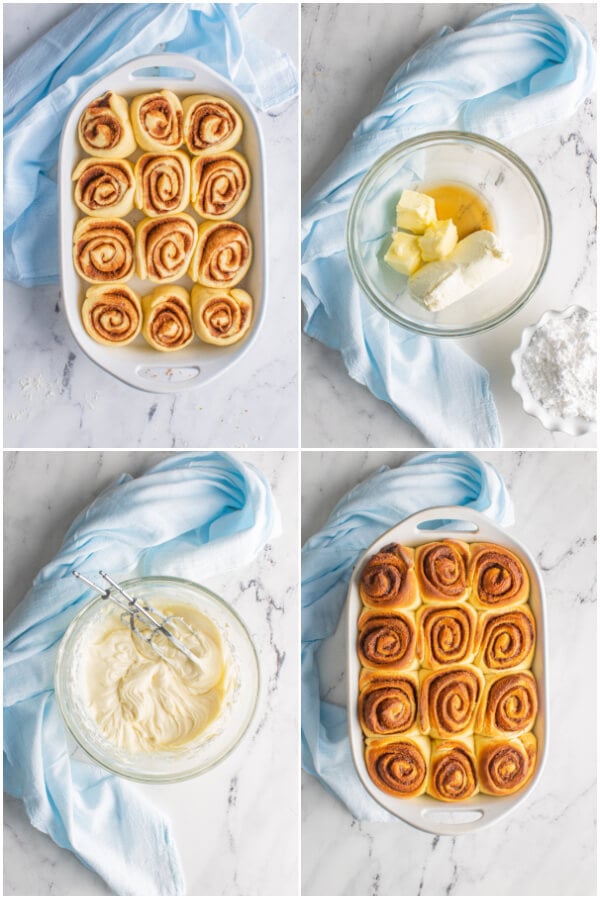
(425, 812)
(138, 364)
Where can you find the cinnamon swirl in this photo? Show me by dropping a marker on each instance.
(221, 317)
(453, 770)
(104, 187)
(222, 256)
(387, 704)
(506, 765)
(162, 183)
(388, 580)
(498, 579)
(442, 571)
(103, 249)
(104, 128)
(398, 765)
(164, 246)
(157, 120)
(210, 124)
(448, 700)
(167, 318)
(387, 641)
(446, 636)
(112, 314)
(220, 184)
(508, 706)
(506, 640)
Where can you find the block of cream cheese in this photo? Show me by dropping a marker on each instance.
(475, 260)
(439, 240)
(415, 211)
(403, 254)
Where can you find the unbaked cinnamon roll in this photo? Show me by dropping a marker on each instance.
(222, 256)
(210, 124)
(498, 579)
(104, 128)
(448, 700)
(167, 318)
(506, 640)
(453, 770)
(387, 641)
(505, 765)
(442, 571)
(157, 120)
(509, 705)
(104, 187)
(221, 317)
(446, 636)
(164, 246)
(112, 314)
(162, 183)
(220, 184)
(387, 704)
(103, 249)
(388, 580)
(399, 766)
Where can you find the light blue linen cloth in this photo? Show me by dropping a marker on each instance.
(41, 86)
(368, 510)
(514, 68)
(192, 516)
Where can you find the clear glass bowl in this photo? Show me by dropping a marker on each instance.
(221, 737)
(518, 207)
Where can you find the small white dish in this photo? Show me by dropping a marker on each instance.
(575, 425)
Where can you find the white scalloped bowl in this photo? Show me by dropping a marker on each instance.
(575, 425)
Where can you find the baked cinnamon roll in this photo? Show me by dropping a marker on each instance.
(221, 317)
(222, 256)
(446, 635)
(210, 124)
(112, 314)
(498, 579)
(157, 120)
(387, 704)
(388, 581)
(164, 246)
(104, 128)
(104, 187)
(103, 250)
(167, 318)
(508, 706)
(504, 766)
(162, 183)
(398, 765)
(220, 184)
(506, 640)
(453, 770)
(448, 700)
(442, 571)
(387, 641)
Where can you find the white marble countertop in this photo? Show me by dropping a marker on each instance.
(349, 52)
(236, 826)
(56, 397)
(547, 846)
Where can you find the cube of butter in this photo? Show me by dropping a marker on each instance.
(415, 211)
(439, 240)
(403, 254)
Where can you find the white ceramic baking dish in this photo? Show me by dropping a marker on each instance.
(426, 812)
(138, 364)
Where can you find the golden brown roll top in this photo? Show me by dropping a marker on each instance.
(112, 314)
(220, 184)
(442, 568)
(104, 187)
(103, 249)
(448, 700)
(387, 641)
(509, 705)
(387, 704)
(388, 580)
(399, 765)
(104, 128)
(446, 635)
(157, 120)
(453, 770)
(505, 765)
(506, 640)
(210, 124)
(162, 183)
(164, 246)
(222, 256)
(167, 318)
(221, 317)
(498, 579)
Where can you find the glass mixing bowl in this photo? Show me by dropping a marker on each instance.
(512, 194)
(221, 736)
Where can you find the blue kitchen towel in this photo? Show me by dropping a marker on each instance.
(368, 510)
(514, 68)
(41, 86)
(192, 515)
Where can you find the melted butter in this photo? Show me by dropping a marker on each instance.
(140, 702)
(467, 209)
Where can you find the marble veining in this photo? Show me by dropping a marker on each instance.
(548, 846)
(247, 807)
(349, 52)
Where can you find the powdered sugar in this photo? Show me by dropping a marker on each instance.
(559, 365)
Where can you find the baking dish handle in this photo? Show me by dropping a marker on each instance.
(179, 68)
(460, 519)
(453, 822)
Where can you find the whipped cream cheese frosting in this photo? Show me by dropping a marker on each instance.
(140, 702)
